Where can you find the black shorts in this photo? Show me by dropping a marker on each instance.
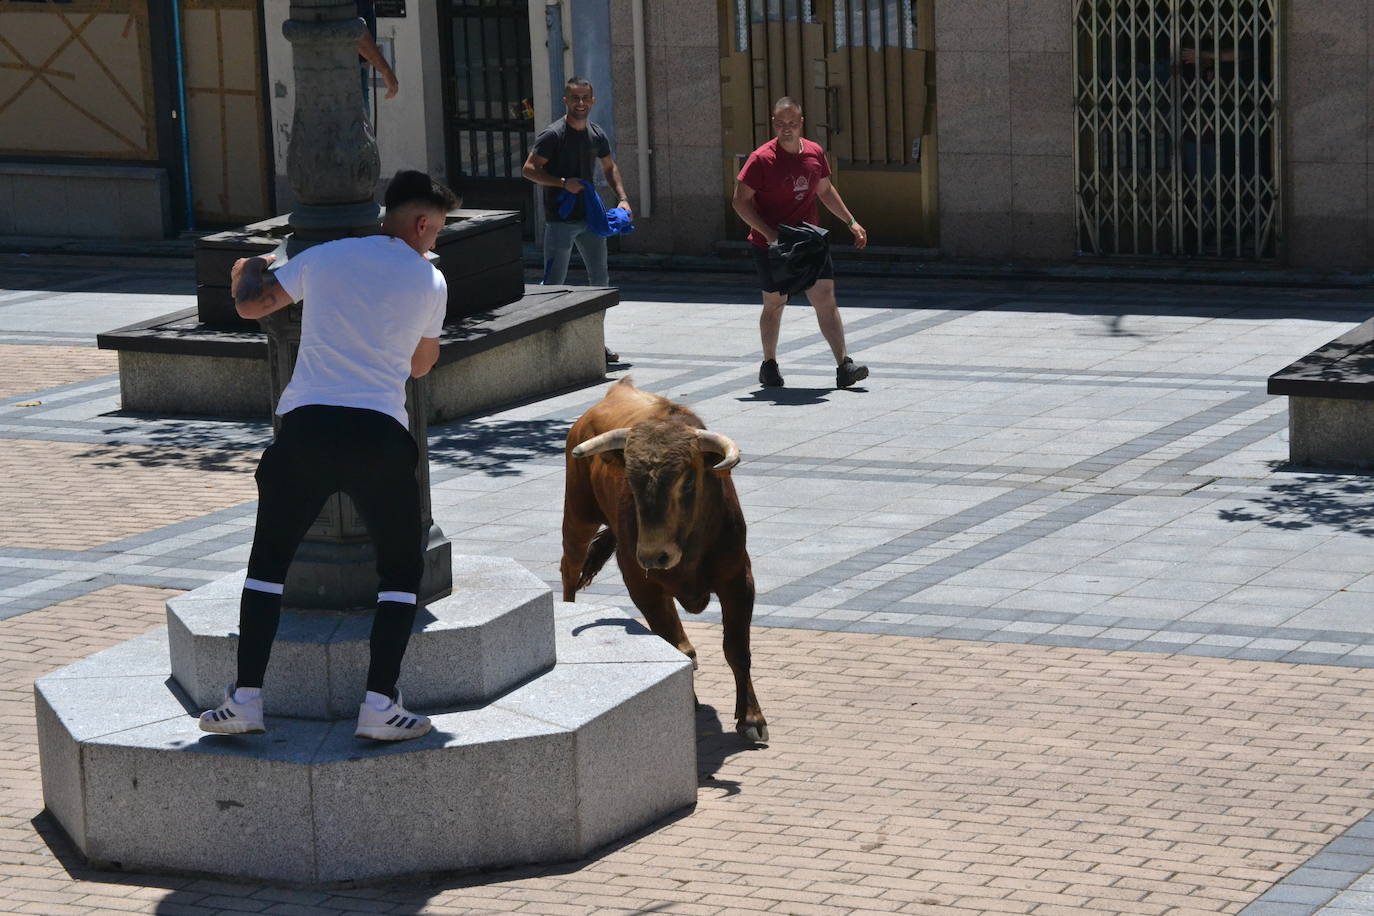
(766, 281)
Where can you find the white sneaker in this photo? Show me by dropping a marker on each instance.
(232, 718)
(395, 723)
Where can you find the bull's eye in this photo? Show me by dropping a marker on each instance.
(689, 489)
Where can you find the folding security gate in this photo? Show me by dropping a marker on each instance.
(1178, 110)
(488, 100)
(858, 67)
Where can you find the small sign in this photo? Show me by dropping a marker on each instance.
(393, 9)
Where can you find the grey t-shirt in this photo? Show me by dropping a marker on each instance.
(572, 154)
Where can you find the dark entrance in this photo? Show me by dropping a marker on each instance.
(1178, 111)
(488, 102)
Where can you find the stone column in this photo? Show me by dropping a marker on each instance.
(333, 167)
(331, 158)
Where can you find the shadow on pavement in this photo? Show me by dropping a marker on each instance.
(496, 447)
(788, 397)
(1333, 502)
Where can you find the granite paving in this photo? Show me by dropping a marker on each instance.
(1046, 496)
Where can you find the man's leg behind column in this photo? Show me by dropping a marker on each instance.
(592, 247)
(386, 492)
(292, 488)
(558, 244)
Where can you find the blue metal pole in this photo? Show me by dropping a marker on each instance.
(181, 116)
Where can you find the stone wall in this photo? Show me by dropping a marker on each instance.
(1004, 85)
(689, 208)
(1004, 92)
(1329, 135)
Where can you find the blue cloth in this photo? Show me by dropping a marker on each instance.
(602, 222)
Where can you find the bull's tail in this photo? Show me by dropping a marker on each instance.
(598, 552)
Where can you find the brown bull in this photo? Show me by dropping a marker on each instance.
(638, 465)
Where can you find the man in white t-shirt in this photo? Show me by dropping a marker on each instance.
(373, 311)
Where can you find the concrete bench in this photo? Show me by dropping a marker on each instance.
(502, 342)
(551, 338)
(1331, 402)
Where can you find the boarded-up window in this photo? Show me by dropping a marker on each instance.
(76, 80)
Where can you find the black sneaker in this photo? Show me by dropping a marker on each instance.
(611, 356)
(769, 376)
(849, 372)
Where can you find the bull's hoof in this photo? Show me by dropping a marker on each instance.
(756, 733)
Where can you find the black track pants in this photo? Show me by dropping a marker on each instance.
(321, 451)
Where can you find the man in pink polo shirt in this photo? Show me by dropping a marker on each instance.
(779, 185)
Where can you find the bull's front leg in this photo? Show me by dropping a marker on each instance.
(736, 614)
(658, 609)
(577, 535)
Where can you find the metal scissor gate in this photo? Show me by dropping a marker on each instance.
(1177, 127)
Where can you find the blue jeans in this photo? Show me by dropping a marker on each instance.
(559, 239)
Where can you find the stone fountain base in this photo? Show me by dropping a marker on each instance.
(557, 728)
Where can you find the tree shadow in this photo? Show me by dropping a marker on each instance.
(497, 447)
(1334, 502)
(1349, 358)
(198, 443)
(189, 442)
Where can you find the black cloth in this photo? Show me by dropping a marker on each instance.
(572, 154)
(794, 263)
(321, 451)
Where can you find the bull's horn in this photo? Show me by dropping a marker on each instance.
(603, 443)
(715, 442)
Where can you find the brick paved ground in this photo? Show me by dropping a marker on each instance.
(73, 496)
(1043, 629)
(905, 775)
(30, 368)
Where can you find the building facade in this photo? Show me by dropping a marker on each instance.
(1161, 131)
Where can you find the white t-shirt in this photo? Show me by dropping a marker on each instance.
(367, 302)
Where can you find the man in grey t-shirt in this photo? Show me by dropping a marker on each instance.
(563, 158)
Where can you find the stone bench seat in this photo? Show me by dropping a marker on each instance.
(1331, 402)
(551, 338)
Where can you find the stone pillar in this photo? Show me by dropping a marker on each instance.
(333, 167)
(331, 158)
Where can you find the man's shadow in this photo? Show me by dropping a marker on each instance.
(788, 397)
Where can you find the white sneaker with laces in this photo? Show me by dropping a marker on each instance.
(395, 723)
(234, 718)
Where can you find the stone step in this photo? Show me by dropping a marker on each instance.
(598, 746)
(493, 632)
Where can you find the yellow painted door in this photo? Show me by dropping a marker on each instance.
(861, 70)
(226, 121)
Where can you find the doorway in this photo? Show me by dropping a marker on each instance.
(489, 102)
(1177, 123)
(859, 69)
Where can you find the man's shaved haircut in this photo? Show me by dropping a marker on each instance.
(577, 82)
(787, 102)
(412, 187)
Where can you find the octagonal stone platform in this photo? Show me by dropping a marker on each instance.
(493, 632)
(567, 757)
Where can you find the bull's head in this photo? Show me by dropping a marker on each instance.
(668, 474)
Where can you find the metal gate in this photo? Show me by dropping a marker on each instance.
(1177, 110)
(858, 67)
(488, 101)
